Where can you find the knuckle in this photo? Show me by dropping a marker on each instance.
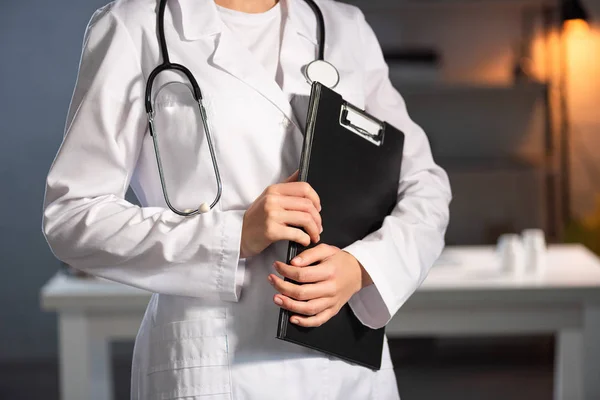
(285, 290)
(290, 306)
(271, 231)
(333, 289)
(329, 273)
(270, 202)
(300, 293)
(300, 276)
(266, 207)
(268, 213)
(305, 187)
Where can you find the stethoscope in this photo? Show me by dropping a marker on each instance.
(318, 70)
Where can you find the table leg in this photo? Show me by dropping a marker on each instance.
(85, 367)
(568, 368)
(591, 361)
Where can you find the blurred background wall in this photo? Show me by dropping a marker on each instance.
(40, 44)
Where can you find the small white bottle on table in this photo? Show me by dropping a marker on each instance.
(534, 244)
(512, 255)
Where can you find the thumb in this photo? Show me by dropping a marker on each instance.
(293, 177)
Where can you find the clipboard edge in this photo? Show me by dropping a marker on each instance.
(315, 96)
(374, 367)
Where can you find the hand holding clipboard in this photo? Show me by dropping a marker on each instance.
(353, 161)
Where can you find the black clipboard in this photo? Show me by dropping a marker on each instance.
(353, 162)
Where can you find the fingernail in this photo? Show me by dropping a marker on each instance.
(321, 230)
(278, 301)
(318, 238)
(297, 260)
(295, 321)
(320, 208)
(270, 278)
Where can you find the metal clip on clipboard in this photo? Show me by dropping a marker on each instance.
(362, 124)
(336, 136)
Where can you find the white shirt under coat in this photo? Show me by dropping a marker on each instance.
(206, 334)
(260, 33)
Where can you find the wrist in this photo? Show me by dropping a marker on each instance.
(244, 250)
(244, 253)
(363, 278)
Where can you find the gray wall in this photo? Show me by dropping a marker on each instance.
(40, 45)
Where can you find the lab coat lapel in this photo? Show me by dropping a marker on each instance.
(234, 58)
(294, 58)
(200, 18)
(298, 48)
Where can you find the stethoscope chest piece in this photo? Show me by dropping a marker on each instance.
(317, 71)
(323, 72)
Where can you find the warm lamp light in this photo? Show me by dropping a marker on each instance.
(576, 25)
(572, 11)
(574, 18)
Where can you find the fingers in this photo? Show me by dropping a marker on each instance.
(307, 308)
(304, 292)
(296, 189)
(317, 273)
(301, 220)
(276, 232)
(294, 212)
(314, 255)
(300, 204)
(313, 321)
(312, 313)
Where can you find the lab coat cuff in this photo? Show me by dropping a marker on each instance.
(230, 268)
(370, 304)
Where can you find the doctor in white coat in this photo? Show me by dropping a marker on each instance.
(209, 329)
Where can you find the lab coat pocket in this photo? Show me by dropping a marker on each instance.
(189, 359)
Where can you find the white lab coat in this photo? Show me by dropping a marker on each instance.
(209, 331)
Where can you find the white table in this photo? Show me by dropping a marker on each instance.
(464, 294)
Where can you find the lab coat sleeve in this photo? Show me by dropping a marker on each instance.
(399, 255)
(86, 220)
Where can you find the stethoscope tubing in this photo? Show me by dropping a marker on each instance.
(167, 65)
(320, 28)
